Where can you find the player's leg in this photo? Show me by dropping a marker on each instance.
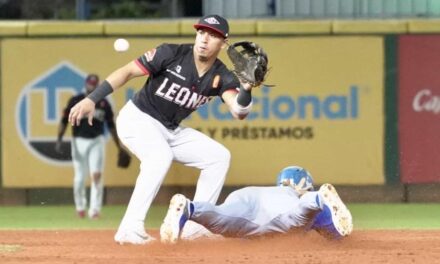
(96, 166)
(232, 219)
(143, 136)
(80, 167)
(299, 217)
(195, 149)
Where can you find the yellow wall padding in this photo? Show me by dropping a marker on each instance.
(424, 26)
(169, 27)
(44, 28)
(184, 27)
(273, 27)
(369, 26)
(12, 28)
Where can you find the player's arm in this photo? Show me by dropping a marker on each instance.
(63, 125)
(114, 81)
(124, 74)
(61, 130)
(239, 103)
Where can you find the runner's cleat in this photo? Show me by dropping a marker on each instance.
(177, 215)
(335, 220)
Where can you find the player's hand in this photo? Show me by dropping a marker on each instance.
(85, 108)
(247, 86)
(250, 62)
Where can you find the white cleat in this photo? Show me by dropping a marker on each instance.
(177, 215)
(335, 220)
(133, 237)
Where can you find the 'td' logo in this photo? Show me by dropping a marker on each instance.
(38, 110)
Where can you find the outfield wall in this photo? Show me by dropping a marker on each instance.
(419, 108)
(334, 109)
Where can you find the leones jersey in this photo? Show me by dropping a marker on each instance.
(174, 89)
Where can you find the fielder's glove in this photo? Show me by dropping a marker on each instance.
(250, 62)
(124, 159)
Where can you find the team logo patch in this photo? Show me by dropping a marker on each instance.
(216, 81)
(212, 20)
(149, 55)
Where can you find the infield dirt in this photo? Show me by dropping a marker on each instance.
(90, 247)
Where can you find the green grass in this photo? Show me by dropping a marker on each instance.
(366, 216)
(396, 216)
(64, 217)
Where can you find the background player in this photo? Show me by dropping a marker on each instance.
(181, 79)
(87, 149)
(254, 211)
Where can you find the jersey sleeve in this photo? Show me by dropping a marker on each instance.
(229, 82)
(154, 60)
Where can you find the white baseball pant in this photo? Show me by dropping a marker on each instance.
(156, 147)
(87, 159)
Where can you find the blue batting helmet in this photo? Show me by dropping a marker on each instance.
(297, 177)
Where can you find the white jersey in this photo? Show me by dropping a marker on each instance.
(258, 210)
(267, 203)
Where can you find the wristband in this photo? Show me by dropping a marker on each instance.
(239, 109)
(244, 97)
(100, 92)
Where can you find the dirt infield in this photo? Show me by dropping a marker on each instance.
(98, 247)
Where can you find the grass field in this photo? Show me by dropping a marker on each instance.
(366, 216)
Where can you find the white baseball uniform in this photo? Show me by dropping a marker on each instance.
(88, 158)
(88, 152)
(149, 126)
(253, 211)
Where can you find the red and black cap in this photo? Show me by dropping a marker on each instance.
(214, 22)
(92, 79)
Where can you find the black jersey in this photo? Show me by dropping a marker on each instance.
(103, 113)
(174, 90)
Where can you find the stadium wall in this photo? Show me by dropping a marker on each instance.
(350, 138)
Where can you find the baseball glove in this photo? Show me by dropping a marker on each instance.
(250, 62)
(124, 159)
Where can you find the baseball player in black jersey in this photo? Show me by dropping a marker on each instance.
(181, 78)
(87, 149)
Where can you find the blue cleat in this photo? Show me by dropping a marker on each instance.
(179, 212)
(335, 220)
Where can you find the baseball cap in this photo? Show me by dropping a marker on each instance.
(214, 22)
(92, 79)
